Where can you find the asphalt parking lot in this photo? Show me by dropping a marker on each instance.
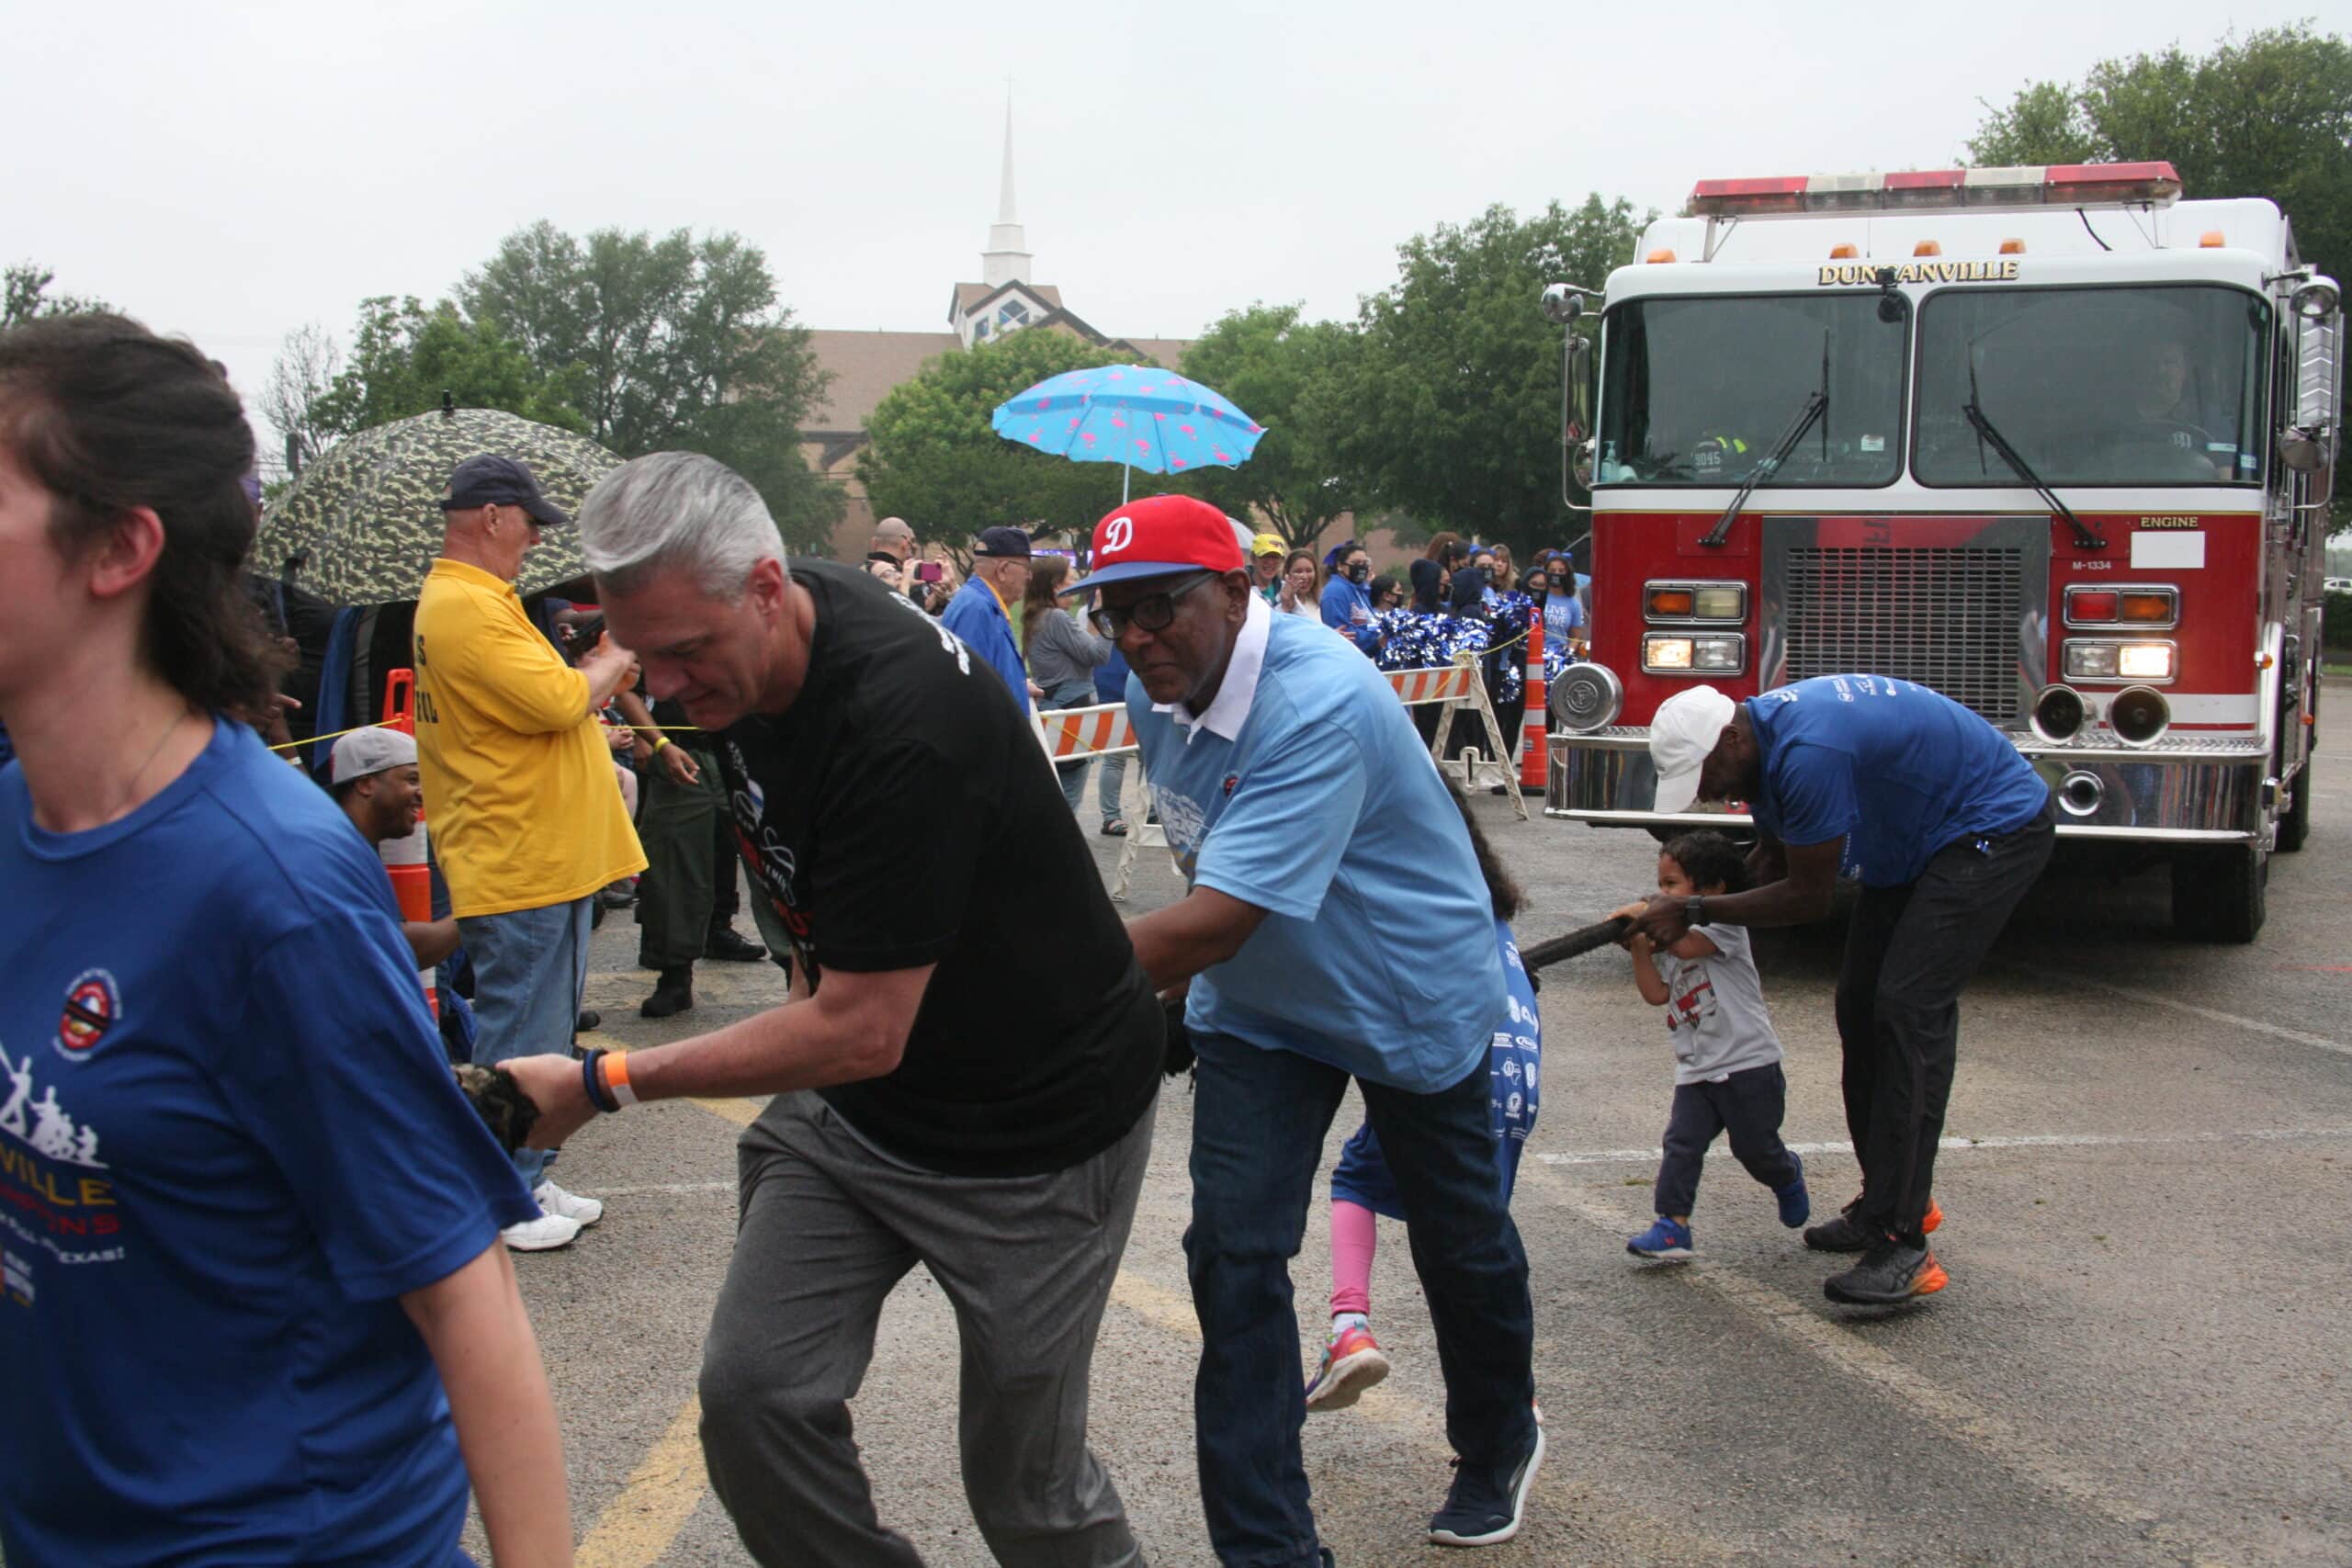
(2141, 1358)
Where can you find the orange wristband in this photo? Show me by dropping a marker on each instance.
(611, 1070)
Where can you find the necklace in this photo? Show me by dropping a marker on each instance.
(131, 786)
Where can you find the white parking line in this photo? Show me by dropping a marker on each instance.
(1960, 1145)
(2211, 1015)
(1952, 1415)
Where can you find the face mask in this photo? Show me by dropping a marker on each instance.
(1360, 572)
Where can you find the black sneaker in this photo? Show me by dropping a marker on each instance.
(1889, 1273)
(589, 1018)
(1486, 1505)
(673, 993)
(1844, 1234)
(725, 942)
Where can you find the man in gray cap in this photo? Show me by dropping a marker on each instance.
(526, 822)
(373, 776)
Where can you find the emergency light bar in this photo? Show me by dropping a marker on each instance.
(2053, 184)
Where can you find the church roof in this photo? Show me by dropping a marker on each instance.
(971, 297)
(866, 366)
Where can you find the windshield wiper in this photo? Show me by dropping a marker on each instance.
(1816, 404)
(2085, 537)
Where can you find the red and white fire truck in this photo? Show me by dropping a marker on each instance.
(2051, 441)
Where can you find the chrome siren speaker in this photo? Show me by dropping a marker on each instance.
(2139, 716)
(1586, 697)
(2058, 713)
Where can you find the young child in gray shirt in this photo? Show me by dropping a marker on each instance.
(1726, 1057)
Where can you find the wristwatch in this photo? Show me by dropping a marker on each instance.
(1694, 911)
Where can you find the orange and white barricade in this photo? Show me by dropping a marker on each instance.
(1459, 688)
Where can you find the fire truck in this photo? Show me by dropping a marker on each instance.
(2051, 441)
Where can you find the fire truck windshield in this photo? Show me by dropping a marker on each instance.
(2144, 385)
(1696, 390)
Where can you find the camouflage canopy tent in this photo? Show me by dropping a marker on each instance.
(363, 524)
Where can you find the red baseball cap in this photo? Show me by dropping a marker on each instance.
(1159, 535)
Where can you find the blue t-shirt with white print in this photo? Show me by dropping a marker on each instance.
(1322, 807)
(1896, 770)
(229, 1144)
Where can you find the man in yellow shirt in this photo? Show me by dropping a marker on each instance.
(518, 786)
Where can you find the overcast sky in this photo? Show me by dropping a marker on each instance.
(234, 171)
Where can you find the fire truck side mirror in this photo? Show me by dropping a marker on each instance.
(1575, 429)
(2307, 441)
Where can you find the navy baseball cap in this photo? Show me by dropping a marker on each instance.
(1005, 543)
(490, 481)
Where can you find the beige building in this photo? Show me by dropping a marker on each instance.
(866, 365)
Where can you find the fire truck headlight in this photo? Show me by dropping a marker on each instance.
(2102, 658)
(1667, 655)
(1710, 653)
(2090, 660)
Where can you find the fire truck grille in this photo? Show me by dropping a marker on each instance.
(1945, 618)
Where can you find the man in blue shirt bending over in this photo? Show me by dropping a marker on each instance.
(1336, 927)
(1945, 825)
(981, 613)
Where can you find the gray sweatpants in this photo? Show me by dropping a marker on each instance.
(828, 1226)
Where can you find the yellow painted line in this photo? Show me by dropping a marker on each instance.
(637, 1526)
(1610, 1527)
(1950, 1413)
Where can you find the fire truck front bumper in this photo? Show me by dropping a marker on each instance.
(2183, 788)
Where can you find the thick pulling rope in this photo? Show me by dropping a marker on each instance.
(1602, 933)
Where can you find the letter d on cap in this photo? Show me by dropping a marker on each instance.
(1118, 534)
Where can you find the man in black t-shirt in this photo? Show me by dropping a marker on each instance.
(918, 1117)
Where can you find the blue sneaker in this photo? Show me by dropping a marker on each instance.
(1795, 1206)
(1666, 1239)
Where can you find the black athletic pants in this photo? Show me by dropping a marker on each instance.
(1749, 1104)
(1909, 950)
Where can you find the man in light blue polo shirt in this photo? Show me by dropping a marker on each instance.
(1336, 927)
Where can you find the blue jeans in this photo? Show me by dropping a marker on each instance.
(1078, 693)
(1110, 777)
(530, 966)
(1259, 1121)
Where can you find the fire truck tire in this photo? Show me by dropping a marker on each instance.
(2296, 825)
(2219, 893)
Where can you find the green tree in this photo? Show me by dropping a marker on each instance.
(1290, 376)
(404, 357)
(1455, 398)
(24, 295)
(2270, 115)
(935, 461)
(667, 343)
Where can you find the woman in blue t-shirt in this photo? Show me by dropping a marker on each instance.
(256, 1309)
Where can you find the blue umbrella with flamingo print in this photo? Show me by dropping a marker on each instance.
(1147, 419)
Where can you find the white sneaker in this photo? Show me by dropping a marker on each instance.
(554, 1200)
(542, 1235)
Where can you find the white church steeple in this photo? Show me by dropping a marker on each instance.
(1007, 259)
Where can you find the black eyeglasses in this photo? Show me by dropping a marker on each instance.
(1152, 612)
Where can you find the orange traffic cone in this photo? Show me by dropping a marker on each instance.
(1535, 756)
(413, 886)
